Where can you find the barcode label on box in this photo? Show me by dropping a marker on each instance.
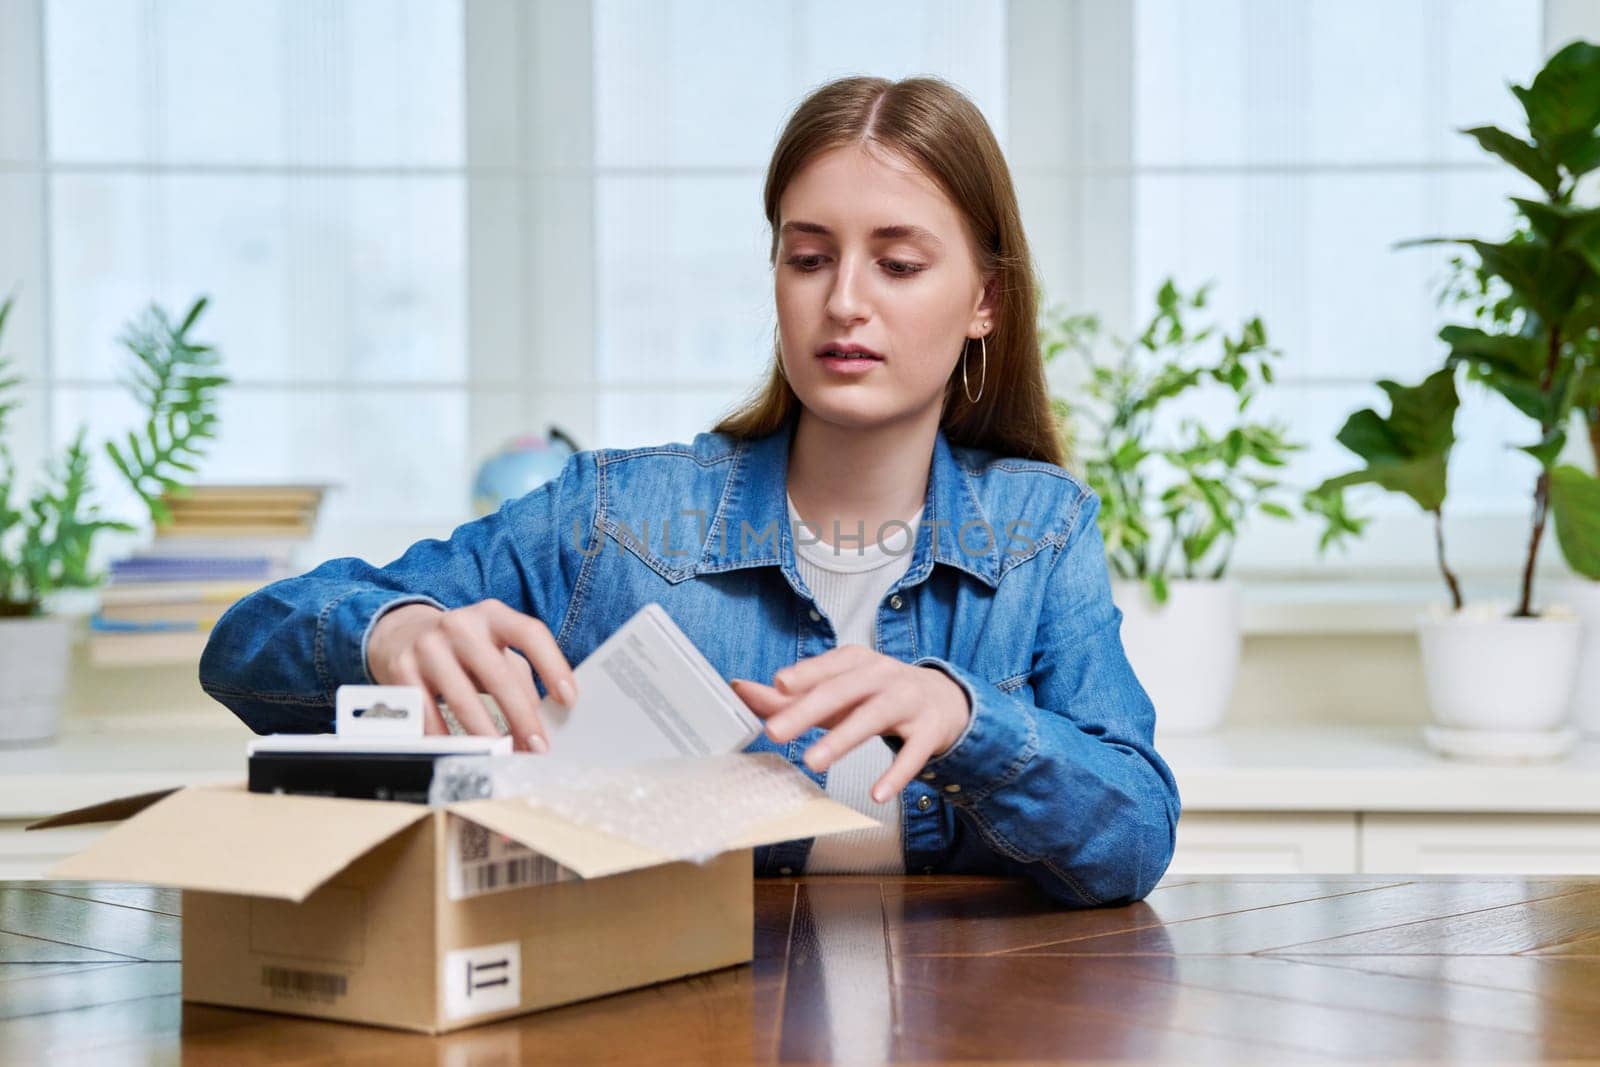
(304, 985)
(483, 979)
(482, 861)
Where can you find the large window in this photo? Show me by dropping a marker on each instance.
(1283, 150)
(689, 99)
(301, 163)
(429, 225)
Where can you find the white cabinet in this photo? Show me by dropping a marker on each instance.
(1386, 843)
(1480, 844)
(1250, 843)
(1374, 800)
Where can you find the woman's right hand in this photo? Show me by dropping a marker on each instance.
(459, 653)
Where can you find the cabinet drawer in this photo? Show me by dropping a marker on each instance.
(1481, 844)
(1243, 843)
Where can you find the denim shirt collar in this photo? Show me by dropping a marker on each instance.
(755, 498)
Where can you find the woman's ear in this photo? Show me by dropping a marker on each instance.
(988, 305)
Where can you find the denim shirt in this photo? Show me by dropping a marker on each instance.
(1055, 776)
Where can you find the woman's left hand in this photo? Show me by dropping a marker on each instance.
(858, 694)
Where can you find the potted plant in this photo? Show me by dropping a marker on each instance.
(47, 540)
(1499, 677)
(1174, 491)
(1568, 140)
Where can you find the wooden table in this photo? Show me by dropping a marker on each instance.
(1248, 969)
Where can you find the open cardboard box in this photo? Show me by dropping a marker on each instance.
(343, 909)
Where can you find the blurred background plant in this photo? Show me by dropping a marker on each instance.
(1171, 504)
(47, 541)
(1533, 301)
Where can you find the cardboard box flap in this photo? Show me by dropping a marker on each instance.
(594, 853)
(225, 839)
(599, 821)
(816, 818)
(105, 811)
(589, 852)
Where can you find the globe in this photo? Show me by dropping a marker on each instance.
(520, 466)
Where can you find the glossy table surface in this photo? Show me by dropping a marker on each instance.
(1253, 969)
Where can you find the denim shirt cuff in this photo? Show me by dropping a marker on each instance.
(998, 742)
(345, 626)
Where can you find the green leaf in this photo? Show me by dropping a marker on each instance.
(1512, 365)
(1581, 156)
(1423, 416)
(1217, 499)
(1548, 450)
(1563, 103)
(1520, 154)
(176, 382)
(1521, 356)
(1548, 220)
(1547, 283)
(1408, 452)
(1197, 545)
(1565, 228)
(1158, 588)
(1128, 455)
(194, 314)
(1575, 505)
(1277, 511)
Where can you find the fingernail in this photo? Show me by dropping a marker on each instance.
(538, 744)
(568, 693)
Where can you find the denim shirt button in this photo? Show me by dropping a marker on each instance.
(896, 603)
(924, 802)
(928, 776)
(952, 788)
(816, 616)
(785, 870)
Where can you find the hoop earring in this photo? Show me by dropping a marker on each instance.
(983, 374)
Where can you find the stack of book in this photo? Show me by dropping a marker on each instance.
(222, 542)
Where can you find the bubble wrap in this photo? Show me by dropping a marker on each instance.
(686, 809)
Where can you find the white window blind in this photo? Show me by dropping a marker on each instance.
(1282, 150)
(690, 97)
(427, 225)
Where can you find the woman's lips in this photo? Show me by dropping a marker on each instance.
(849, 367)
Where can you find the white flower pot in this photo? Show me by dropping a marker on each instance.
(1584, 597)
(34, 657)
(77, 603)
(1185, 652)
(1487, 672)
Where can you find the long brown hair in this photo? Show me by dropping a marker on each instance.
(933, 125)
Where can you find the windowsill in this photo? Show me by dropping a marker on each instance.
(1270, 608)
(1275, 607)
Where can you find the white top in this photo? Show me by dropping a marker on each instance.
(849, 580)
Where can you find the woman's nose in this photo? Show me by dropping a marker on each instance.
(845, 302)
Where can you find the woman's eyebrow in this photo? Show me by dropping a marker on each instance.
(917, 233)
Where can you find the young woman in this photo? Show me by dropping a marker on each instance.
(882, 549)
